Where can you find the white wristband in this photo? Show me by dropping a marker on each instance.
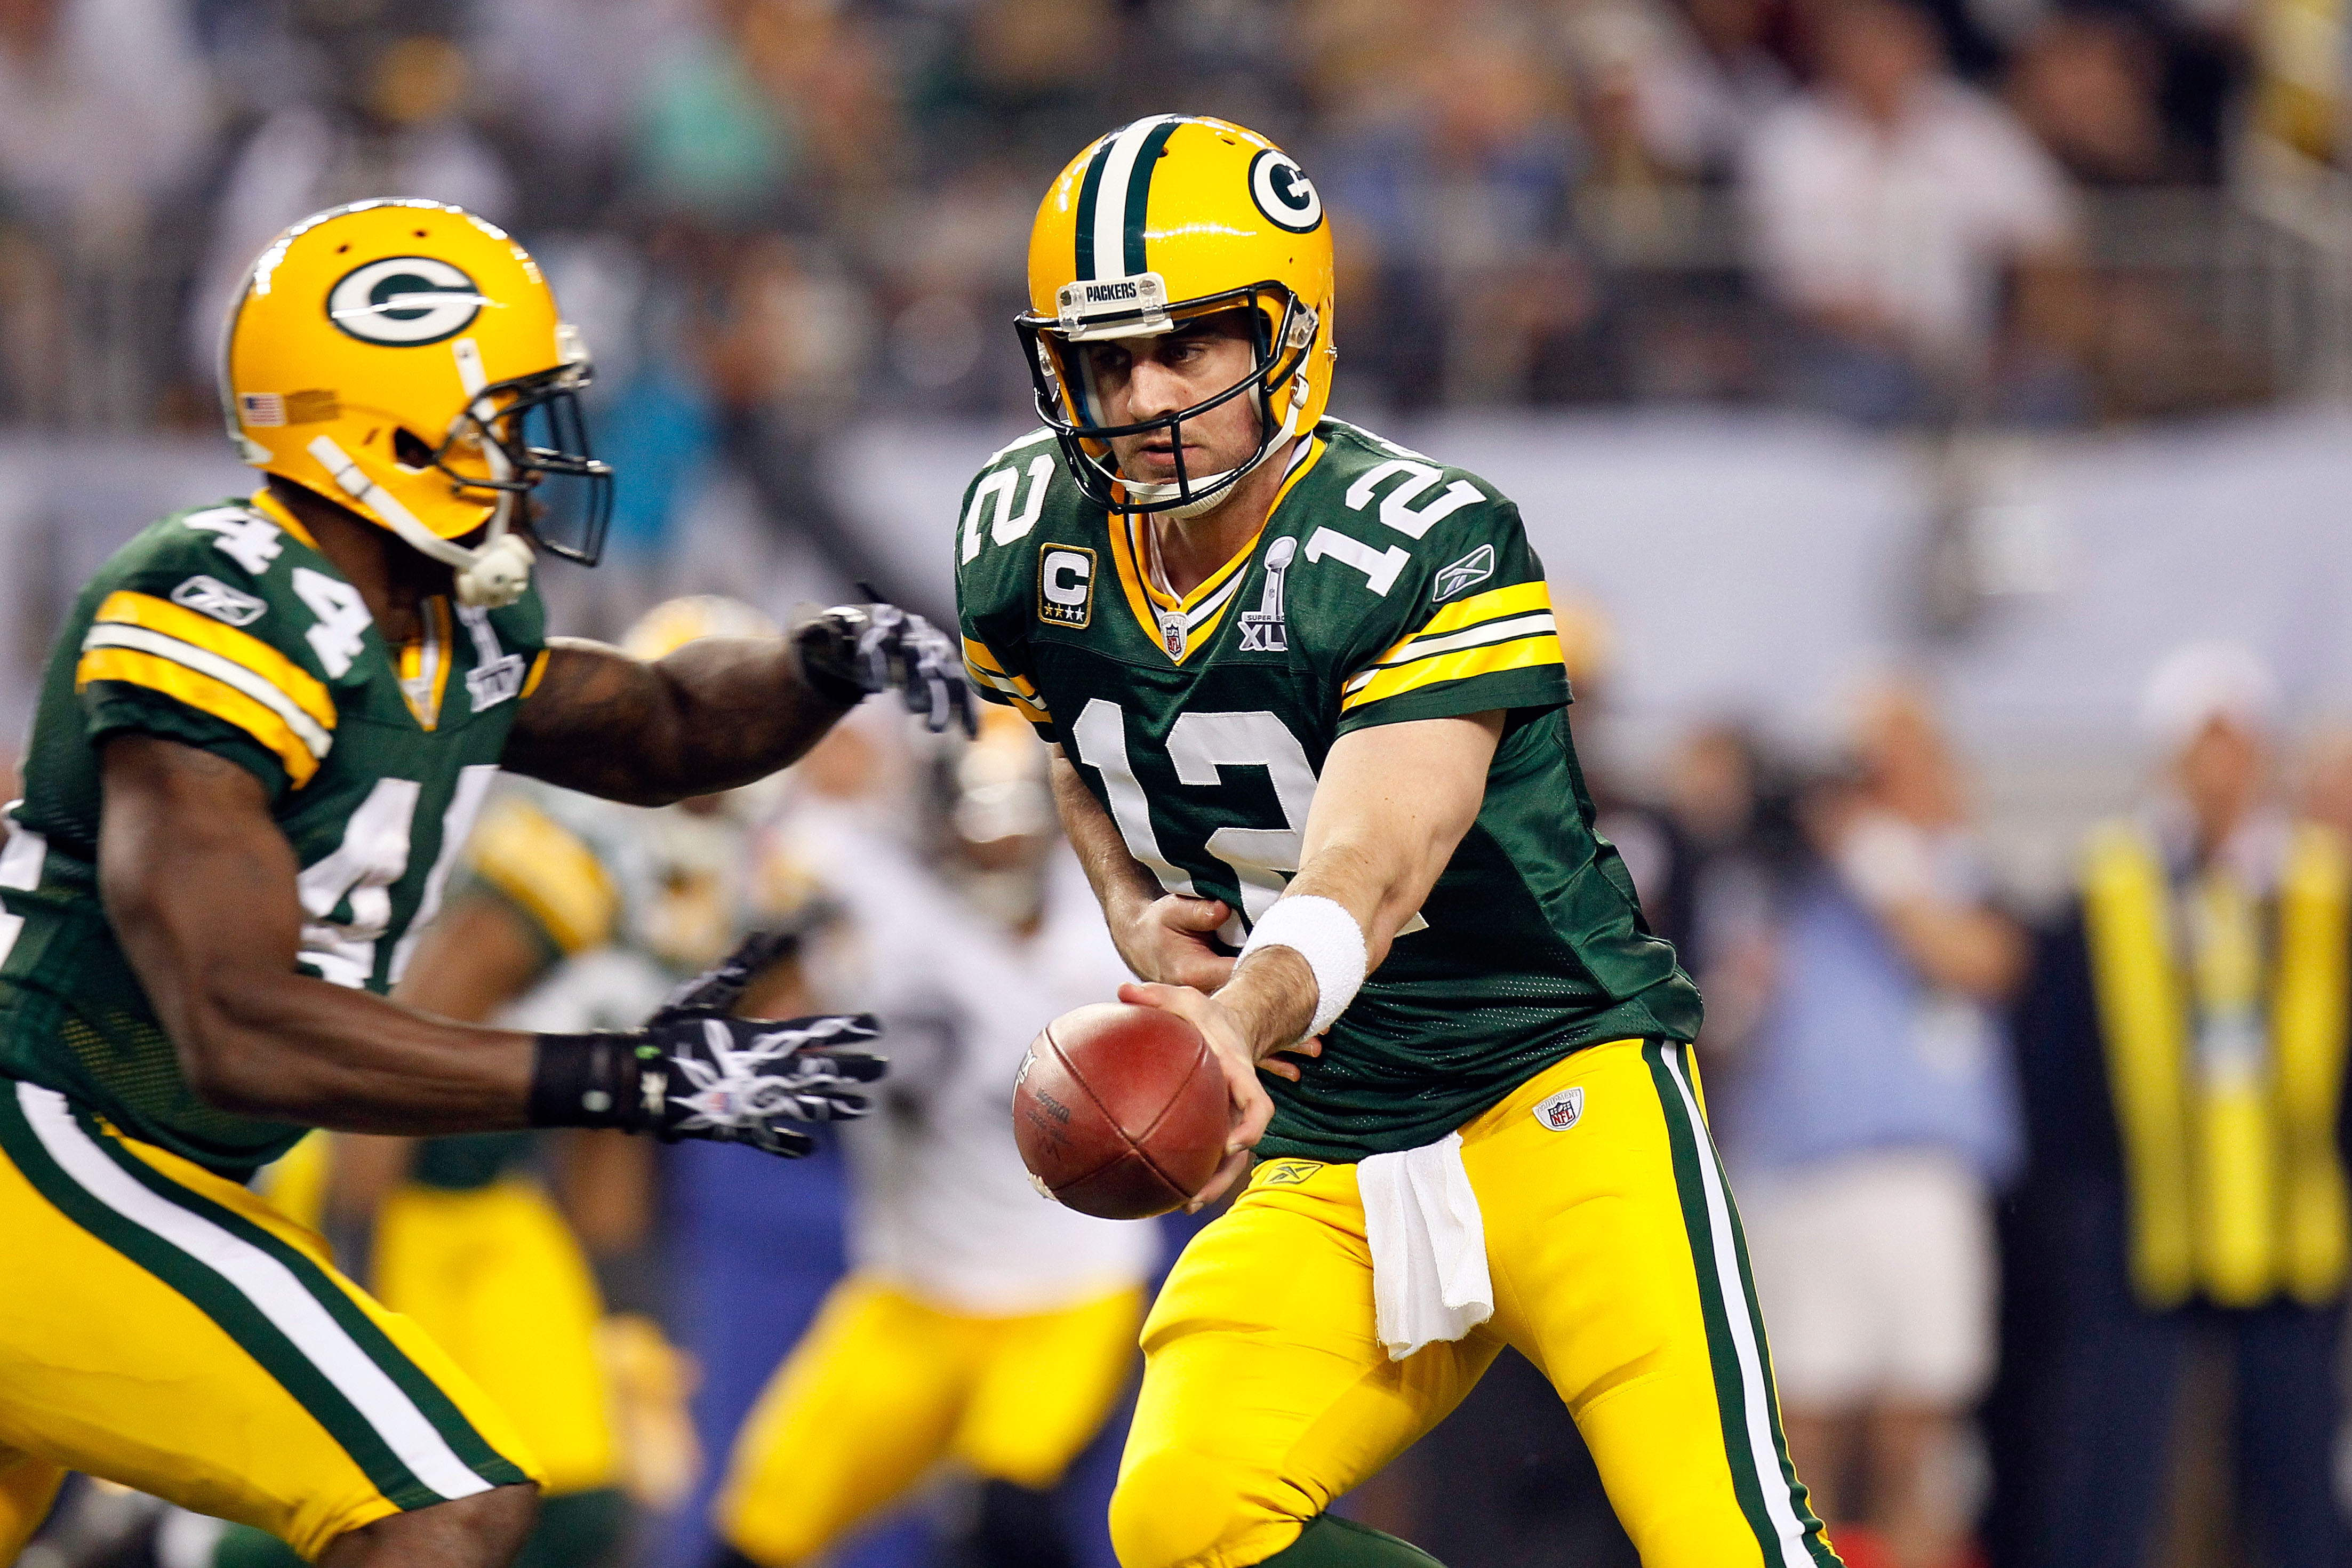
(1325, 935)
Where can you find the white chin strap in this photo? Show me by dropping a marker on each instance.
(1220, 486)
(490, 575)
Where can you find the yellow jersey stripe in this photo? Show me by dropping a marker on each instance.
(124, 607)
(1509, 630)
(983, 664)
(548, 872)
(424, 665)
(315, 737)
(1017, 691)
(537, 668)
(1526, 653)
(203, 692)
(1518, 599)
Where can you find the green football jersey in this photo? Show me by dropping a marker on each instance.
(226, 629)
(1384, 587)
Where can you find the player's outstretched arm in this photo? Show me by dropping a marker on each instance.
(200, 887)
(722, 712)
(1391, 807)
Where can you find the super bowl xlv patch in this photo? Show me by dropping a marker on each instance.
(1263, 629)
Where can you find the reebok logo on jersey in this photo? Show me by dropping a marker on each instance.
(1474, 567)
(1290, 1172)
(1561, 1110)
(1066, 585)
(211, 597)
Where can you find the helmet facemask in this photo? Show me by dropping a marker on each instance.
(531, 442)
(1069, 405)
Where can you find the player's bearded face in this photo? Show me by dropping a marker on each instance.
(1135, 379)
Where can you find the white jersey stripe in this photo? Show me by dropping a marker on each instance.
(227, 671)
(264, 1281)
(1476, 637)
(1763, 1454)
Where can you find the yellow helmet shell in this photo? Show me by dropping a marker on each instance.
(1162, 215)
(368, 327)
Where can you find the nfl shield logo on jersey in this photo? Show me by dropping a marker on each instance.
(1563, 1111)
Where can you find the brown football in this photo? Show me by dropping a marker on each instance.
(1120, 1111)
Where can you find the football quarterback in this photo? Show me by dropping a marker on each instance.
(1307, 696)
(263, 734)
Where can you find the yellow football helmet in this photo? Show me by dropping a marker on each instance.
(1170, 217)
(405, 359)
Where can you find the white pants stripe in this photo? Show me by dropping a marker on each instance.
(264, 1281)
(1763, 1453)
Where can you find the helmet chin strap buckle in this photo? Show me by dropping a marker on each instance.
(497, 575)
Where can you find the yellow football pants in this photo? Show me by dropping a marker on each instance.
(165, 1328)
(883, 1387)
(498, 1280)
(1618, 1270)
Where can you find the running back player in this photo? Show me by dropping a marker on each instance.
(1308, 691)
(263, 734)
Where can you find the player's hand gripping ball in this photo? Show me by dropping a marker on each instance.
(1120, 1111)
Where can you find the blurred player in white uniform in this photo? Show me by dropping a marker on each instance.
(980, 1324)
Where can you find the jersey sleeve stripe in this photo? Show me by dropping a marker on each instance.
(984, 667)
(205, 694)
(548, 873)
(306, 692)
(530, 681)
(318, 737)
(1476, 637)
(997, 689)
(1519, 599)
(1526, 653)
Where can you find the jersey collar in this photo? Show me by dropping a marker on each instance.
(1183, 625)
(277, 512)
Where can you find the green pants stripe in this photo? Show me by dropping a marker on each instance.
(273, 1302)
(1771, 1497)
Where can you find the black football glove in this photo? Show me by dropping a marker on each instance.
(852, 651)
(693, 1071)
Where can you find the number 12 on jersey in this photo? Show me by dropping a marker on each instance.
(1263, 858)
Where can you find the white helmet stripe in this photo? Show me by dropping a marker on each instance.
(1110, 197)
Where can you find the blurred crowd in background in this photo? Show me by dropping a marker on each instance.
(772, 215)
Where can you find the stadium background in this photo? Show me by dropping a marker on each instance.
(1764, 468)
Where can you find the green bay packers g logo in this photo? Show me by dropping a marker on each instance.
(404, 302)
(1284, 193)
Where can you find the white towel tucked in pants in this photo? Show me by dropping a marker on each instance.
(1429, 1246)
